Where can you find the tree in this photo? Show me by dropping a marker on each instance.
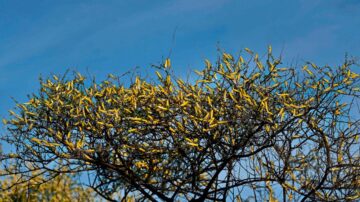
(61, 188)
(246, 127)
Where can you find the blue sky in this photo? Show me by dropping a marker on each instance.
(102, 37)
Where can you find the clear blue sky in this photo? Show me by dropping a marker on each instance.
(102, 37)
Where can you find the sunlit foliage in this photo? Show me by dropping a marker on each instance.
(61, 188)
(246, 126)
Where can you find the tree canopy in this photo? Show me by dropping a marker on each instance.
(63, 187)
(246, 126)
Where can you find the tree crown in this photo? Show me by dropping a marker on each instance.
(245, 124)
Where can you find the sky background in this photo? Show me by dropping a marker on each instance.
(102, 37)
